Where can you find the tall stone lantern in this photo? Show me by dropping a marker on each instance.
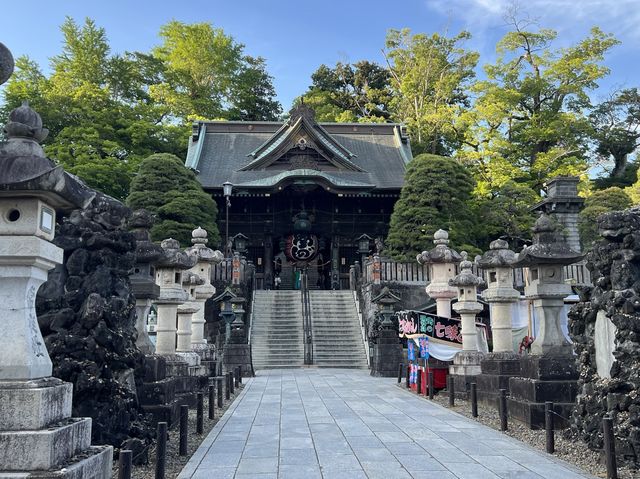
(442, 262)
(387, 351)
(502, 363)
(466, 364)
(37, 434)
(143, 282)
(206, 258)
(498, 264)
(169, 271)
(549, 373)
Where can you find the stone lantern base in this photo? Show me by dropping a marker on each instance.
(162, 395)
(543, 378)
(387, 354)
(464, 370)
(496, 369)
(39, 438)
(237, 353)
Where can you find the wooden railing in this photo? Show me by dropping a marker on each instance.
(409, 272)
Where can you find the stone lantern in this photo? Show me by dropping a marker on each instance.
(442, 262)
(466, 364)
(205, 259)
(37, 435)
(498, 265)
(387, 351)
(549, 373)
(190, 281)
(502, 363)
(169, 271)
(143, 282)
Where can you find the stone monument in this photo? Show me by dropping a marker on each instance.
(442, 262)
(549, 373)
(466, 364)
(37, 434)
(502, 363)
(143, 282)
(387, 351)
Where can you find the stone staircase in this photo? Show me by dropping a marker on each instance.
(276, 336)
(337, 340)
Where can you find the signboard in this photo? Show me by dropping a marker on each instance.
(424, 347)
(411, 351)
(437, 328)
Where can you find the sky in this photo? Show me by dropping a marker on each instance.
(296, 37)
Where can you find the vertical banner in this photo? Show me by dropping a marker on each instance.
(424, 347)
(377, 269)
(411, 350)
(235, 278)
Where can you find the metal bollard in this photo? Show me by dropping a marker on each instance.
(212, 402)
(219, 390)
(232, 381)
(503, 410)
(419, 382)
(452, 391)
(408, 380)
(200, 413)
(227, 390)
(400, 373)
(430, 384)
(474, 399)
(161, 450)
(124, 465)
(610, 447)
(548, 426)
(239, 375)
(184, 426)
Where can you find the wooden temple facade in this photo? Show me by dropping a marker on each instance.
(318, 194)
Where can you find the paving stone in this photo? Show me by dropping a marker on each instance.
(335, 424)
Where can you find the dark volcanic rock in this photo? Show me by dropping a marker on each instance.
(614, 263)
(86, 311)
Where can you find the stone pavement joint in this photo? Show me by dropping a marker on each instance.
(336, 423)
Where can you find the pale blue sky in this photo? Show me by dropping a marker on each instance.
(297, 36)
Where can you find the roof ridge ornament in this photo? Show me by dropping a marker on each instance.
(302, 110)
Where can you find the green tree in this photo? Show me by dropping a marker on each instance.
(429, 76)
(350, 93)
(253, 94)
(616, 124)
(529, 123)
(601, 201)
(166, 188)
(436, 194)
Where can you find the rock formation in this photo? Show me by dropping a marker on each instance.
(605, 328)
(86, 312)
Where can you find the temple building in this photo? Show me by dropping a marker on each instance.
(318, 194)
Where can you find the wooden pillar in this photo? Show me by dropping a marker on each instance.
(268, 262)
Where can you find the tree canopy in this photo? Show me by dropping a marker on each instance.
(107, 112)
(435, 195)
(601, 201)
(169, 190)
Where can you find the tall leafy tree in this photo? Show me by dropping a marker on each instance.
(616, 123)
(166, 188)
(429, 76)
(253, 94)
(436, 194)
(529, 122)
(350, 92)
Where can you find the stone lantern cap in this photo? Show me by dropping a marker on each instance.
(498, 256)
(441, 253)
(6, 63)
(200, 251)
(25, 171)
(466, 276)
(549, 245)
(192, 279)
(174, 257)
(385, 298)
(147, 252)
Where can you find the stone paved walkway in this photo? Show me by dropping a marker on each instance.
(319, 423)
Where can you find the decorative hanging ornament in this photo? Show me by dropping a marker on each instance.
(301, 247)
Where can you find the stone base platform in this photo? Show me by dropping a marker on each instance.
(238, 354)
(543, 378)
(94, 463)
(387, 355)
(496, 369)
(464, 371)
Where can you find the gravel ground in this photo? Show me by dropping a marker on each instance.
(175, 462)
(571, 451)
